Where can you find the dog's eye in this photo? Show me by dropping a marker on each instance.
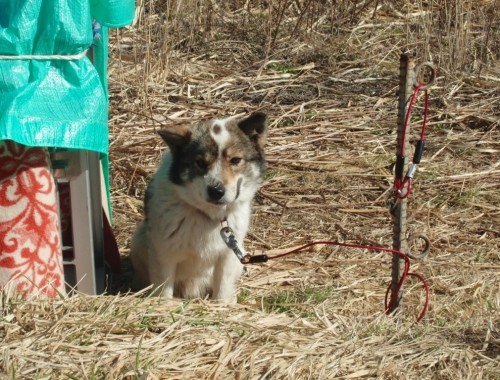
(235, 161)
(201, 164)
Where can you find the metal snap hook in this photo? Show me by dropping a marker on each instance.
(229, 238)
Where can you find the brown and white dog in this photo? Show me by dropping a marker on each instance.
(209, 175)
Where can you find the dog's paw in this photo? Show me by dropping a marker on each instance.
(227, 299)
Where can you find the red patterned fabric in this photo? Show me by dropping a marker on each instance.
(30, 241)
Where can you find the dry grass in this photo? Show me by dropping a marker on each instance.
(326, 73)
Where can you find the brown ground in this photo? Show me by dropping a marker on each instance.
(327, 76)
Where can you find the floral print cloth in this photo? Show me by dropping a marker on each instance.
(30, 237)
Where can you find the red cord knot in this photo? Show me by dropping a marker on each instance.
(399, 188)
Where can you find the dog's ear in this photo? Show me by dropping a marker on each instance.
(175, 136)
(255, 127)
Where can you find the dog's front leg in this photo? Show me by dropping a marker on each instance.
(162, 277)
(227, 271)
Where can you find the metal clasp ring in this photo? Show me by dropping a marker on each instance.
(430, 67)
(427, 246)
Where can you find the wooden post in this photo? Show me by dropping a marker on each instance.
(399, 240)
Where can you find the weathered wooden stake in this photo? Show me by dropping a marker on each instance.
(399, 240)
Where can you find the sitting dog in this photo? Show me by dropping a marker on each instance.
(207, 179)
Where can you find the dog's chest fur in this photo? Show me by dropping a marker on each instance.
(188, 231)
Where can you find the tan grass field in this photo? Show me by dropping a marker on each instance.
(326, 72)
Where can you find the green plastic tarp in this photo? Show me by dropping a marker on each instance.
(52, 102)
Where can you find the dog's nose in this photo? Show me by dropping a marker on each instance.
(216, 192)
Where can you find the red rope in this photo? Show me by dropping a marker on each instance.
(426, 115)
(399, 184)
(406, 271)
(407, 119)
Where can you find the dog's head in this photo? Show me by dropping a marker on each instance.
(217, 162)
